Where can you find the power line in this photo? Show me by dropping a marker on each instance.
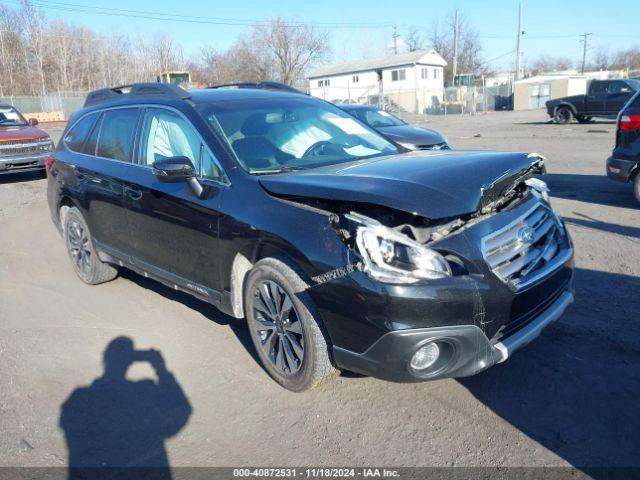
(510, 52)
(173, 17)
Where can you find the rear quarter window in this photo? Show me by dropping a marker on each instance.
(77, 136)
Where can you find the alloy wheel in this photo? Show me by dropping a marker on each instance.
(278, 327)
(79, 247)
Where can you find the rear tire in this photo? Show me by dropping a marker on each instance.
(82, 253)
(285, 327)
(563, 115)
(636, 187)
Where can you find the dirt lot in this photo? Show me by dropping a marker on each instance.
(570, 398)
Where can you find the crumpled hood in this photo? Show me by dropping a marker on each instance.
(412, 135)
(431, 184)
(21, 133)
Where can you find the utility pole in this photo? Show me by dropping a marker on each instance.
(456, 34)
(395, 39)
(517, 75)
(585, 40)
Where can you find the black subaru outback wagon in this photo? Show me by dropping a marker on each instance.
(340, 250)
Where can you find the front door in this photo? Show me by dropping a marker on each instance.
(175, 232)
(596, 98)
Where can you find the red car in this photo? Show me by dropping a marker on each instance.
(23, 147)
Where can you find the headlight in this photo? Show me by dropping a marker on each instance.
(391, 257)
(45, 145)
(408, 146)
(540, 187)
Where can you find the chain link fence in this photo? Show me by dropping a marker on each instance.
(59, 104)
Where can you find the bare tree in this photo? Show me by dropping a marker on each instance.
(469, 46)
(38, 56)
(601, 60)
(276, 51)
(289, 49)
(546, 63)
(414, 41)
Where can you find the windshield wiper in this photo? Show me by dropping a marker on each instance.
(275, 170)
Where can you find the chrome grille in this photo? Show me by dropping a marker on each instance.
(18, 147)
(525, 247)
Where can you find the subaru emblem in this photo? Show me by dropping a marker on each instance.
(526, 234)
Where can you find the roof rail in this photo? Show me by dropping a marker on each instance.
(266, 85)
(166, 90)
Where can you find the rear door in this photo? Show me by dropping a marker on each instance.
(102, 146)
(618, 94)
(596, 98)
(175, 233)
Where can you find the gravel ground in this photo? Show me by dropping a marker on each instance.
(570, 398)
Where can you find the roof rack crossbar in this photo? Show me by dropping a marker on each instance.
(166, 90)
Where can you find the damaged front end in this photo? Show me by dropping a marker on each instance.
(421, 295)
(394, 245)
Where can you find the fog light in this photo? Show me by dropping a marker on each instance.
(425, 356)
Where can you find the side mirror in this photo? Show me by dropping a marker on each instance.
(173, 169)
(33, 122)
(177, 169)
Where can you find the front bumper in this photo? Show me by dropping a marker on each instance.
(24, 163)
(620, 169)
(471, 351)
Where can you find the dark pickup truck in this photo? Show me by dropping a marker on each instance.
(605, 98)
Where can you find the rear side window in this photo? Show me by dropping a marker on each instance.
(116, 134)
(619, 87)
(76, 137)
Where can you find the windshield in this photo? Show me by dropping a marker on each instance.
(280, 133)
(10, 117)
(376, 118)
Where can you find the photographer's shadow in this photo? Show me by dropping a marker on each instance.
(114, 424)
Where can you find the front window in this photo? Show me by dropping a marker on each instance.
(10, 117)
(167, 134)
(272, 134)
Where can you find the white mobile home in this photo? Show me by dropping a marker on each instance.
(410, 81)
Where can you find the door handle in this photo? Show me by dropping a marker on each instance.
(133, 193)
(80, 174)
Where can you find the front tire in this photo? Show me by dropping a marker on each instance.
(82, 253)
(563, 115)
(285, 327)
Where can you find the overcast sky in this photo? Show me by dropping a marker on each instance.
(360, 28)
